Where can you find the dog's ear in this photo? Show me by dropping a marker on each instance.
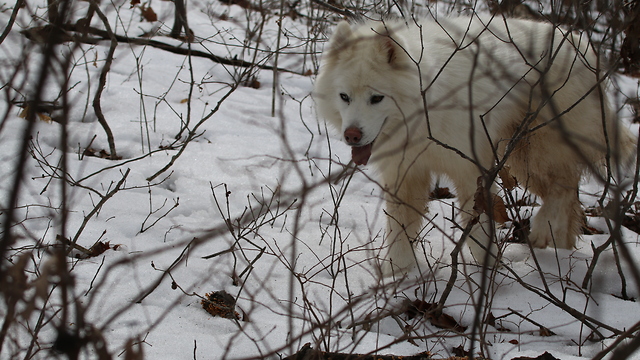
(341, 37)
(390, 49)
(387, 45)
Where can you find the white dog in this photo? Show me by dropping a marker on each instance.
(457, 96)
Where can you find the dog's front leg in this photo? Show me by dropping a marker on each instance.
(405, 210)
(481, 239)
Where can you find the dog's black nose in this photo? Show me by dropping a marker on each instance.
(352, 135)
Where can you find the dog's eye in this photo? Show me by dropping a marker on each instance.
(376, 99)
(345, 97)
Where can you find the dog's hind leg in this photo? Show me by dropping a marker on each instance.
(554, 175)
(559, 219)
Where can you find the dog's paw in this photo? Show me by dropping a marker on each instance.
(394, 270)
(539, 238)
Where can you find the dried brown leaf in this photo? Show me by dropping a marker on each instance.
(220, 303)
(498, 210)
(508, 181)
(98, 248)
(436, 317)
(44, 117)
(545, 331)
(491, 320)
(41, 116)
(148, 14)
(459, 351)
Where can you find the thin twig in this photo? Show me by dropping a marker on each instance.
(193, 133)
(158, 281)
(344, 12)
(97, 208)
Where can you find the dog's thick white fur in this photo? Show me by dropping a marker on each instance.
(452, 97)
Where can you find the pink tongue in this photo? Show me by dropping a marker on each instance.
(361, 154)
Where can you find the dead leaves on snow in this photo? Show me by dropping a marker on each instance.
(102, 154)
(545, 356)
(220, 303)
(146, 12)
(83, 253)
(308, 353)
(496, 323)
(43, 110)
(436, 317)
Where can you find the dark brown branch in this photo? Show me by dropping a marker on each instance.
(621, 338)
(12, 19)
(104, 35)
(180, 22)
(103, 80)
(344, 12)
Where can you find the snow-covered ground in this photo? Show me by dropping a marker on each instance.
(303, 262)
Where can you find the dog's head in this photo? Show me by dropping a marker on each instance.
(361, 82)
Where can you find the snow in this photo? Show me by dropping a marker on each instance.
(297, 277)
